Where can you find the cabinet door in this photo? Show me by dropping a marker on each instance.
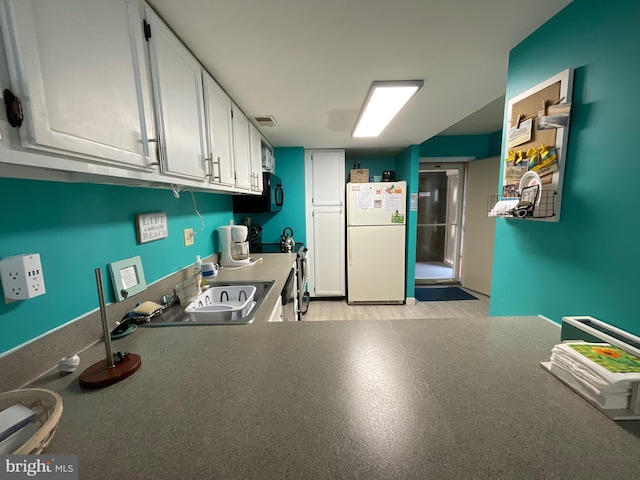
(241, 149)
(328, 178)
(324, 199)
(328, 253)
(219, 132)
(256, 158)
(80, 69)
(177, 84)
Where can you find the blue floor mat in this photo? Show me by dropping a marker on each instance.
(442, 294)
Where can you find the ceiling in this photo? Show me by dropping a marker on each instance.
(310, 63)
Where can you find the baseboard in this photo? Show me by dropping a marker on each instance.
(410, 301)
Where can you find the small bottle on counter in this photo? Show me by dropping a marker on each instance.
(197, 272)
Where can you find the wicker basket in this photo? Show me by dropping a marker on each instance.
(359, 175)
(47, 405)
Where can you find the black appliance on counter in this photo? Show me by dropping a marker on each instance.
(271, 200)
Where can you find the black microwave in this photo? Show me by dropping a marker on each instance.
(271, 200)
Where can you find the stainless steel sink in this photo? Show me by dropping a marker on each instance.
(175, 316)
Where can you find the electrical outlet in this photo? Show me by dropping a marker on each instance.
(188, 237)
(22, 277)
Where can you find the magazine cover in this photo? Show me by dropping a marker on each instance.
(612, 358)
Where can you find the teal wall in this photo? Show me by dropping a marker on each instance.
(78, 227)
(290, 168)
(494, 144)
(407, 163)
(375, 162)
(588, 263)
(456, 146)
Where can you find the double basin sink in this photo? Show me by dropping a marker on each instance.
(176, 315)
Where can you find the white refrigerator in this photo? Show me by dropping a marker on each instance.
(376, 231)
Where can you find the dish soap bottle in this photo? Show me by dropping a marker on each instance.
(197, 272)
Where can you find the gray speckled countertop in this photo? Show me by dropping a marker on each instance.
(374, 399)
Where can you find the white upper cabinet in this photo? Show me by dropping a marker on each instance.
(256, 158)
(327, 174)
(179, 99)
(79, 69)
(217, 107)
(242, 149)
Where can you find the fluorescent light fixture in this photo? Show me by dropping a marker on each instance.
(383, 103)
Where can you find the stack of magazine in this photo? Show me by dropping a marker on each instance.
(601, 372)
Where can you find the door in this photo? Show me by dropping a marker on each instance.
(381, 280)
(242, 149)
(439, 231)
(255, 140)
(327, 185)
(328, 252)
(325, 213)
(376, 203)
(79, 68)
(479, 229)
(219, 133)
(177, 82)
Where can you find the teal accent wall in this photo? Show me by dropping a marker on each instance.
(588, 263)
(494, 144)
(407, 165)
(79, 227)
(290, 168)
(375, 162)
(456, 146)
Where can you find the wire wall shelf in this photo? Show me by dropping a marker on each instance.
(529, 205)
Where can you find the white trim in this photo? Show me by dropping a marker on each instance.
(410, 301)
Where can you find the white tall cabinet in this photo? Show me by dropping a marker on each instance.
(325, 213)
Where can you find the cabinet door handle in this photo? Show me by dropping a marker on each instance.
(279, 194)
(159, 152)
(209, 162)
(219, 176)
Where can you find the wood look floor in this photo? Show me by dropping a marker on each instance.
(321, 310)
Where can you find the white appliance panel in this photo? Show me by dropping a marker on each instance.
(376, 264)
(376, 203)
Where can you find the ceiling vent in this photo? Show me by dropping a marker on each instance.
(266, 120)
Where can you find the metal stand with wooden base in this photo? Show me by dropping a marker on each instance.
(117, 366)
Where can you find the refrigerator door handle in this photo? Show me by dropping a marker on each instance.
(349, 244)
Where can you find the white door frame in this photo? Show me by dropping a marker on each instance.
(450, 163)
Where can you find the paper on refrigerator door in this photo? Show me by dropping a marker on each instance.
(364, 198)
(392, 202)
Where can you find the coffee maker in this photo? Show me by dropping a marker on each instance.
(234, 245)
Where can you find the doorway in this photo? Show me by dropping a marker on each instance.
(439, 232)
